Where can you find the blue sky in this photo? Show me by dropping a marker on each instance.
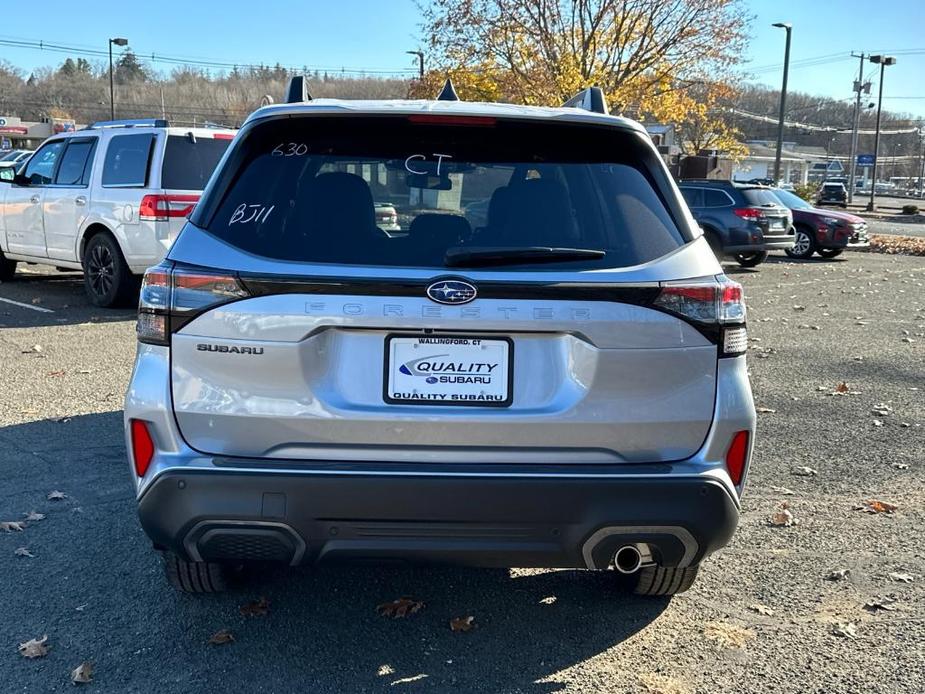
(374, 35)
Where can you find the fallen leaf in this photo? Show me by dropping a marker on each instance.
(804, 471)
(761, 609)
(838, 575)
(885, 604)
(220, 638)
(10, 526)
(878, 423)
(399, 608)
(82, 674)
(56, 496)
(462, 623)
(901, 577)
(255, 608)
(782, 518)
(23, 552)
(848, 630)
(842, 387)
(548, 600)
(874, 506)
(56, 374)
(34, 349)
(34, 516)
(34, 648)
(765, 410)
(799, 308)
(728, 635)
(783, 490)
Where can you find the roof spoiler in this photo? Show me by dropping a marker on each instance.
(298, 90)
(448, 93)
(590, 99)
(130, 123)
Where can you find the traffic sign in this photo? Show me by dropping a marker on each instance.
(866, 160)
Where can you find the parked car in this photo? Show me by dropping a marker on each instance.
(14, 157)
(387, 217)
(108, 200)
(741, 220)
(565, 388)
(833, 193)
(825, 232)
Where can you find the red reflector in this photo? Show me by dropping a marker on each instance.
(142, 447)
(222, 136)
(736, 456)
(732, 292)
(483, 121)
(748, 213)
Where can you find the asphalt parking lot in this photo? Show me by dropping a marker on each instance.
(762, 617)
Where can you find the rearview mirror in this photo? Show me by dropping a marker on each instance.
(426, 182)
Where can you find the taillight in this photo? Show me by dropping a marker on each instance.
(142, 446)
(161, 208)
(223, 136)
(749, 213)
(737, 456)
(171, 296)
(717, 308)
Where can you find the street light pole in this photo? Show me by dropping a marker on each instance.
(420, 55)
(882, 61)
(859, 87)
(112, 89)
(783, 100)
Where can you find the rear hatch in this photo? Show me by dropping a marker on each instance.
(775, 219)
(539, 332)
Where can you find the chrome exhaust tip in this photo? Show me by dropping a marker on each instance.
(630, 558)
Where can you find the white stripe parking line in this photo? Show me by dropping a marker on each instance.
(34, 308)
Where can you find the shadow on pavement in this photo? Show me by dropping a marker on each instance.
(96, 588)
(62, 296)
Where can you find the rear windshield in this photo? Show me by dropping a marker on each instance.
(189, 161)
(760, 197)
(397, 191)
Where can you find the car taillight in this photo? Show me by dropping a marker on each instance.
(717, 308)
(737, 456)
(142, 446)
(172, 295)
(161, 208)
(749, 213)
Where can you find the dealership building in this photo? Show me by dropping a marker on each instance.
(16, 133)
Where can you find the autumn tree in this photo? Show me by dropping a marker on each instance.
(647, 55)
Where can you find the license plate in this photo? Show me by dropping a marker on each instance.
(448, 370)
(776, 224)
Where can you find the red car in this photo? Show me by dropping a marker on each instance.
(825, 232)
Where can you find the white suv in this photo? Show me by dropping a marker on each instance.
(108, 200)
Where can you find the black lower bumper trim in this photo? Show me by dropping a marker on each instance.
(299, 518)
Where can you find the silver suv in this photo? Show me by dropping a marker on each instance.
(559, 383)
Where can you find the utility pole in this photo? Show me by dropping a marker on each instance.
(783, 100)
(860, 87)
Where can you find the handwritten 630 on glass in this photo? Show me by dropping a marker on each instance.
(290, 149)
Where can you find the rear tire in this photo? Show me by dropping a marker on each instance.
(195, 576)
(751, 259)
(661, 580)
(804, 245)
(830, 252)
(715, 244)
(107, 279)
(7, 268)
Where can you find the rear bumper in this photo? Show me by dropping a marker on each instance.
(456, 515)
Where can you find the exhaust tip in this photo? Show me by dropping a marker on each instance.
(628, 559)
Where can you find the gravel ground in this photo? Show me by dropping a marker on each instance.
(759, 619)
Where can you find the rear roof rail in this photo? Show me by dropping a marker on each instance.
(130, 123)
(298, 90)
(590, 99)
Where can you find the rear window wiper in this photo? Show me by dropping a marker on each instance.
(500, 255)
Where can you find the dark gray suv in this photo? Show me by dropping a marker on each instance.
(744, 221)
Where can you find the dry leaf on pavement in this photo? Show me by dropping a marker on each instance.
(23, 552)
(34, 516)
(56, 496)
(874, 506)
(838, 575)
(10, 526)
(885, 604)
(761, 609)
(255, 608)
(782, 518)
(82, 674)
(220, 638)
(882, 409)
(34, 648)
(901, 577)
(765, 410)
(848, 631)
(399, 608)
(462, 623)
(804, 471)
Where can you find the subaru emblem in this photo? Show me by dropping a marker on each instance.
(451, 292)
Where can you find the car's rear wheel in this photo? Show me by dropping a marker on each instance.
(195, 576)
(715, 244)
(107, 278)
(751, 259)
(7, 268)
(803, 245)
(830, 252)
(660, 580)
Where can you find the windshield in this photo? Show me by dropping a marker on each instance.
(313, 189)
(10, 156)
(794, 202)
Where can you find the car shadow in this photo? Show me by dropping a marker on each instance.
(99, 584)
(48, 297)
